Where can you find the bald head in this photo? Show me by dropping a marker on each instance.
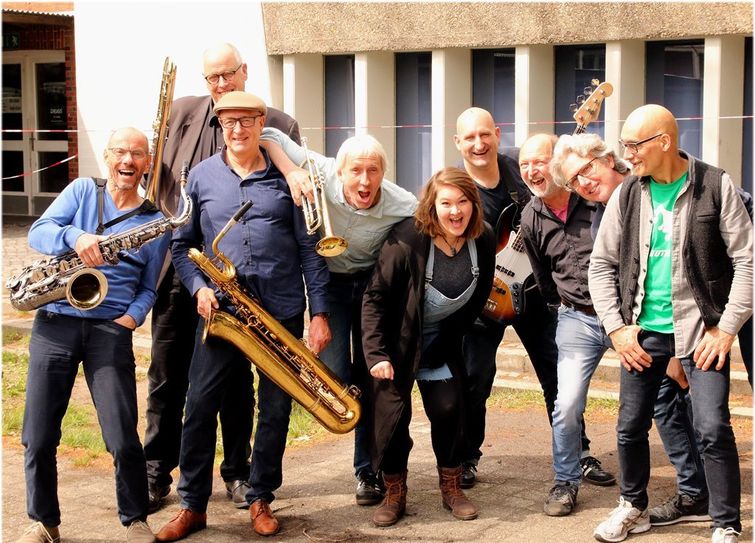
(223, 63)
(127, 158)
(651, 119)
(477, 139)
(130, 134)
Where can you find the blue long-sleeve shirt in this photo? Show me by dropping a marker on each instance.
(269, 246)
(131, 282)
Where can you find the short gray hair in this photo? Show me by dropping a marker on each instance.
(361, 146)
(584, 145)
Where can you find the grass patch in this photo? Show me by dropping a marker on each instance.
(515, 399)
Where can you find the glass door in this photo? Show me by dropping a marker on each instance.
(34, 109)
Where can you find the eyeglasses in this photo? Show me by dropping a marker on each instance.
(213, 79)
(120, 152)
(585, 171)
(229, 123)
(633, 147)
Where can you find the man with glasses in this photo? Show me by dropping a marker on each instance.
(556, 233)
(99, 338)
(194, 135)
(671, 276)
(584, 164)
(271, 250)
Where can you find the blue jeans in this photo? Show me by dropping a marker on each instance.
(710, 405)
(216, 367)
(58, 344)
(581, 343)
(673, 420)
(344, 355)
(536, 328)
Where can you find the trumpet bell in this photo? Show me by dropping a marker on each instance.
(330, 246)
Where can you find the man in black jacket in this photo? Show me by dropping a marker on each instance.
(194, 135)
(500, 185)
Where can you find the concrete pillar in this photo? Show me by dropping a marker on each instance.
(375, 96)
(451, 94)
(625, 70)
(303, 96)
(535, 99)
(275, 76)
(723, 96)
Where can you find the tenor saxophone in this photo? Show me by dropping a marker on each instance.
(273, 349)
(85, 288)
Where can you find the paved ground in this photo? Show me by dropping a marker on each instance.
(316, 500)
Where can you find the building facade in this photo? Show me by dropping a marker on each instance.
(404, 71)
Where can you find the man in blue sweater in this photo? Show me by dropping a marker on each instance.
(99, 338)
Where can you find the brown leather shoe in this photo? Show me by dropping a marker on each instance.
(452, 496)
(184, 523)
(263, 521)
(394, 503)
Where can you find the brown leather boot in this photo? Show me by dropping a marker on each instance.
(453, 497)
(394, 503)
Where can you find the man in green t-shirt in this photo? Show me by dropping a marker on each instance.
(671, 275)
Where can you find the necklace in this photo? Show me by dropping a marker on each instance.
(451, 247)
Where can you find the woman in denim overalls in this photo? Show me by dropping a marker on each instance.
(432, 278)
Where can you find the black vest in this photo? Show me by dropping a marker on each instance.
(708, 267)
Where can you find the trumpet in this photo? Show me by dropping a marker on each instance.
(316, 212)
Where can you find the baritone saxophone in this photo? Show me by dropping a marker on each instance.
(272, 348)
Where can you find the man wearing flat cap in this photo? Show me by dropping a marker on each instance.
(271, 250)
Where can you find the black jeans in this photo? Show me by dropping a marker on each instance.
(174, 322)
(536, 329)
(709, 391)
(58, 344)
(442, 403)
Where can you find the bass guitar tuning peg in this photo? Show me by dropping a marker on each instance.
(573, 108)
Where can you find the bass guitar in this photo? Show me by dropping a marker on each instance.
(512, 266)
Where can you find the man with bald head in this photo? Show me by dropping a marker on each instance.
(556, 235)
(83, 215)
(671, 275)
(500, 185)
(194, 134)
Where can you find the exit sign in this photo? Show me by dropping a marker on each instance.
(11, 40)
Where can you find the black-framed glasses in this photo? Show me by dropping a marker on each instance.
(120, 152)
(634, 146)
(585, 171)
(213, 79)
(229, 123)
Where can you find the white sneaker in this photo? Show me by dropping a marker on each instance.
(623, 520)
(724, 535)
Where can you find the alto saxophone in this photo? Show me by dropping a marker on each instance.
(272, 348)
(66, 276)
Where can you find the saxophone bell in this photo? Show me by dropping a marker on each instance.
(316, 212)
(86, 289)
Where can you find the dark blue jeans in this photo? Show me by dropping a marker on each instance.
(673, 420)
(536, 329)
(711, 419)
(174, 320)
(215, 368)
(344, 355)
(58, 344)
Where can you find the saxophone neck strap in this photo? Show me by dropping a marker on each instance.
(147, 206)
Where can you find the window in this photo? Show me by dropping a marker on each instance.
(576, 67)
(674, 79)
(747, 121)
(413, 118)
(339, 101)
(493, 88)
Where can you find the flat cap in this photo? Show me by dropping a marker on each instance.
(240, 100)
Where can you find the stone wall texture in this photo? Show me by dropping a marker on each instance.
(348, 27)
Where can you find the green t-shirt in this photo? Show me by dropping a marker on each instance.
(656, 313)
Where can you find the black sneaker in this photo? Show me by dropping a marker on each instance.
(369, 488)
(593, 473)
(156, 495)
(468, 475)
(561, 499)
(679, 508)
(236, 492)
